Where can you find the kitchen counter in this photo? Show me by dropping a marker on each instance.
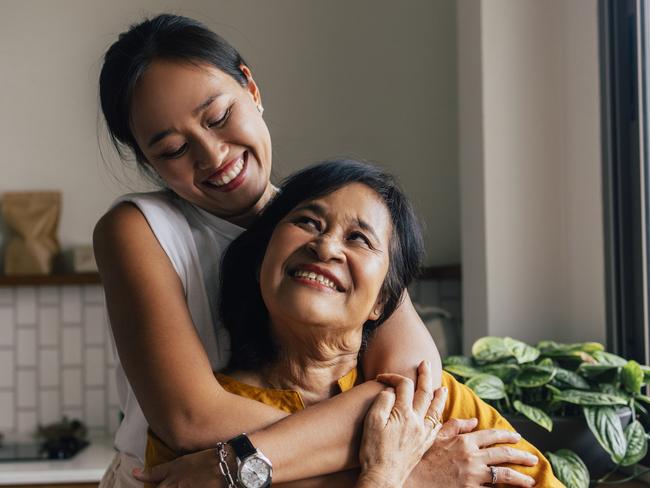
(87, 466)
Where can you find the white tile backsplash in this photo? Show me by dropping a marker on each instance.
(56, 361)
(49, 326)
(26, 421)
(94, 366)
(72, 349)
(6, 369)
(7, 408)
(49, 407)
(26, 347)
(26, 379)
(49, 366)
(72, 387)
(113, 399)
(26, 305)
(71, 304)
(7, 326)
(94, 326)
(95, 408)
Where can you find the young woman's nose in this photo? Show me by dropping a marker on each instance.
(326, 247)
(211, 154)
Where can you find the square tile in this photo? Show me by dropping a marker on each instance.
(26, 379)
(49, 365)
(7, 410)
(94, 366)
(7, 326)
(71, 304)
(48, 295)
(94, 325)
(113, 398)
(110, 350)
(6, 369)
(95, 408)
(94, 294)
(49, 326)
(26, 305)
(49, 409)
(72, 387)
(26, 421)
(26, 347)
(71, 341)
(6, 296)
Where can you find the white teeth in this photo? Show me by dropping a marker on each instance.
(310, 275)
(230, 175)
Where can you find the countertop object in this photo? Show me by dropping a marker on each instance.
(88, 466)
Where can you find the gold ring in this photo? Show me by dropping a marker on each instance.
(434, 422)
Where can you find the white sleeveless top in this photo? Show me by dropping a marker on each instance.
(194, 240)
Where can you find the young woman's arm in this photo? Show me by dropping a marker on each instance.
(172, 377)
(400, 344)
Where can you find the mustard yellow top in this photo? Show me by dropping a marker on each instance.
(462, 403)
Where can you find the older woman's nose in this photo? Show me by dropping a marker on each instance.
(326, 247)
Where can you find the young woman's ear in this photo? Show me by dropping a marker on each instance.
(252, 87)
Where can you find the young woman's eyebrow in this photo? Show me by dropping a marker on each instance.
(162, 134)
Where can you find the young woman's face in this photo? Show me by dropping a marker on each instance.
(203, 133)
(326, 261)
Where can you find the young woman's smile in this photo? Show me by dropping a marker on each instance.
(204, 135)
(327, 260)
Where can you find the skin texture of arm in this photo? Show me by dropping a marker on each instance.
(400, 344)
(171, 376)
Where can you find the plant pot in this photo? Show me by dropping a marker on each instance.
(570, 433)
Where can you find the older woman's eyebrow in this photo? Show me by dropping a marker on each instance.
(368, 228)
(159, 136)
(317, 208)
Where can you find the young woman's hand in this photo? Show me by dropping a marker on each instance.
(460, 457)
(399, 428)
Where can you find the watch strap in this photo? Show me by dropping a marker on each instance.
(242, 446)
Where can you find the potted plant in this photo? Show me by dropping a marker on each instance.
(581, 390)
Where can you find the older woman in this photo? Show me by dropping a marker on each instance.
(304, 287)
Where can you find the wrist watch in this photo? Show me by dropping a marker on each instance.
(254, 469)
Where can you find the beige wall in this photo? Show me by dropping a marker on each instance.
(368, 78)
(530, 170)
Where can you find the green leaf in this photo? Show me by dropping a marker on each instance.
(490, 349)
(521, 351)
(589, 398)
(462, 370)
(546, 363)
(600, 372)
(646, 373)
(637, 444)
(608, 358)
(569, 468)
(642, 398)
(449, 360)
(571, 379)
(487, 386)
(607, 429)
(535, 414)
(555, 348)
(506, 372)
(534, 377)
(632, 377)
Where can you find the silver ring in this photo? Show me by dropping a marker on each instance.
(493, 472)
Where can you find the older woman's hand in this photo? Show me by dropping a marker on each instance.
(399, 428)
(196, 469)
(460, 457)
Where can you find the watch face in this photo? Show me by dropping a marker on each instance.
(254, 473)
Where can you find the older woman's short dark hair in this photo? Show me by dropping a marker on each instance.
(242, 308)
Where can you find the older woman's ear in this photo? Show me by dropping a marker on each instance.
(378, 309)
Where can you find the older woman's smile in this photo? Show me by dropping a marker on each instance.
(315, 276)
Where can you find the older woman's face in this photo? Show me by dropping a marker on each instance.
(327, 259)
(202, 132)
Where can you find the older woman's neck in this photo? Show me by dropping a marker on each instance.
(314, 366)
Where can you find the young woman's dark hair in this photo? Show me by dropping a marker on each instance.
(241, 305)
(166, 36)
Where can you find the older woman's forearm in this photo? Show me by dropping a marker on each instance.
(321, 439)
(400, 344)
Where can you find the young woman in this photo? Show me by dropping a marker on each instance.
(185, 104)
